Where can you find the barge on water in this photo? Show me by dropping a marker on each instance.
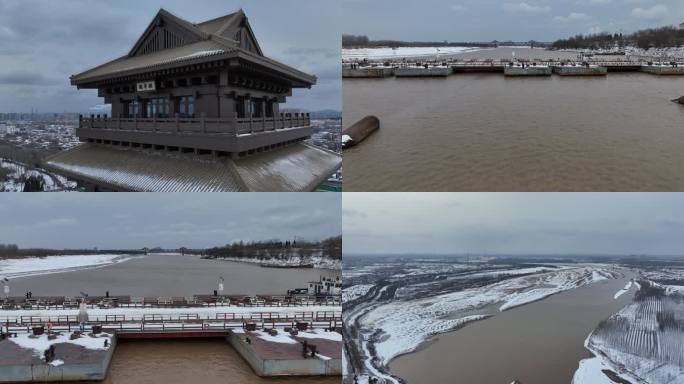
(580, 70)
(663, 69)
(527, 70)
(353, 70)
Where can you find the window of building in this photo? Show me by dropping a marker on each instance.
(256, 107)
(240, 106)
(269, 109)
(133, 108)
(157, 107)
(186, 106)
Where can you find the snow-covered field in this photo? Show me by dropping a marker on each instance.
(401, 52)
(355, 291)
(672, 52)
(31, 266)
(407, 324)
(18, 173)
(641, 343)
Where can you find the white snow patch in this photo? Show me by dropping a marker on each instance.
(623, 290)
(32, 266)
(589, 372)
(40, 343)
(57, 363)
(401, 52)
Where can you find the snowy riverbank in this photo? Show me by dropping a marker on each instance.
(402, 52)
(404, 325)
(641, 343)
(291, 262)
(33, 266)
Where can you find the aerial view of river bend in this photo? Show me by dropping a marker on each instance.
(537, 343)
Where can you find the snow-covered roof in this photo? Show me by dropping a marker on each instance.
(295, 168)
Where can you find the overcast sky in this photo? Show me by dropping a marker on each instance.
(43, 42)
(522, 223)
(136, 220)
(487, 20)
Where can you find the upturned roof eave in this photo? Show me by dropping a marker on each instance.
(82, 81)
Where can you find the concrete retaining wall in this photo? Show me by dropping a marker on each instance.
(368, 72)
(422, 71)
(527, 71)
(568, 70)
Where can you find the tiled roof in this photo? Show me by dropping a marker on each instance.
(298, 167)
(215, 41)
(176, 55)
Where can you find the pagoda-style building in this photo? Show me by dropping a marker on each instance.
(195, 107)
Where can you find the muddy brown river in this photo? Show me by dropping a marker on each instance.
(169, 275)
(538, 343)
(177, 361)
(487, 132)
(188, 361)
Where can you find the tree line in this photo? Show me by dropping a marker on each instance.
(361, 41)
(647, 38)
(12, 251)
(278, 249)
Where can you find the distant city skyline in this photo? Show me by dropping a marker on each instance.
(513, 223)
(169, 220)
(43, 42)
(489, 20)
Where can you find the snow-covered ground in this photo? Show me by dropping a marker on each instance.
(405, 324)
(623, 290)
(317, 260)
(284, 337)
(18, 173)
(31, 266)
(590, 372)
(672, 52)
(401, 52)
(355, 291)
(40, 343)
(641, 343)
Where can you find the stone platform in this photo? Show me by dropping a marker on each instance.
(282, 355)
(72, 362)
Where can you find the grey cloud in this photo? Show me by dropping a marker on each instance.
(138, 220)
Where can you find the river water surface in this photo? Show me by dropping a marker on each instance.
(487, 132)
(169, 275)
(176, 361)
(188, 361)
(537, 343)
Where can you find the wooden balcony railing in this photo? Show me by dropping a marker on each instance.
(232, 126)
